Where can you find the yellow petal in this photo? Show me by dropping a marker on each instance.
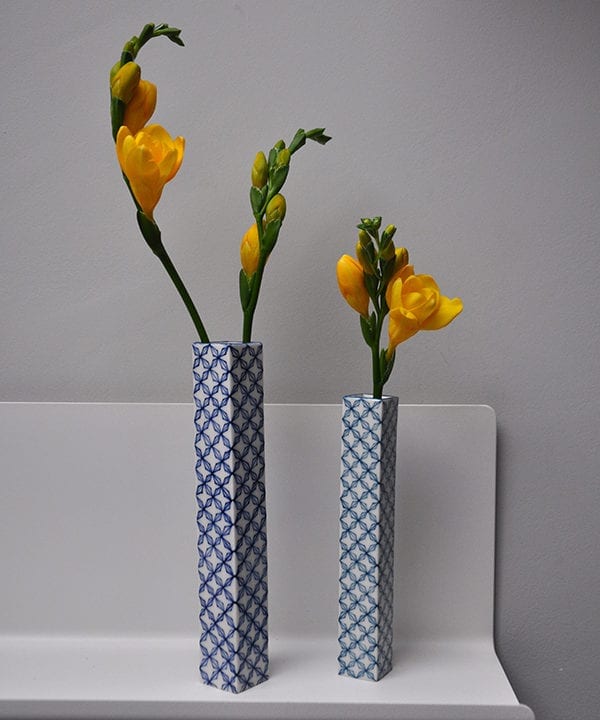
(250, 251)
(123, 140)
(179, 147)
(141, 106)
(421, 304)
(401, 326)
(351, 281)
(446, 311)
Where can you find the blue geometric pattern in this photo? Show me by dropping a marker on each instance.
(232, 540)
(368, 474)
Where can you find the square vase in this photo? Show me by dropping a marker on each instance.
(232, 540)
(366, 585)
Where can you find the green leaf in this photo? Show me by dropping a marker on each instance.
(245, 289)
(386, 366)
(117, 112)
(366, 327)
(257, 199)
(277, 179)
(151, 232)
(318, 135)
(176, 39)
(371, 283)
(298, 141)
(272, 157)
(146, 34)
(270, 236)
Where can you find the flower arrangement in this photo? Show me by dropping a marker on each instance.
(381, 277)
(149, 158)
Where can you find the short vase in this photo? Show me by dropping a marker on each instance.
(366, 585)
(232, 540)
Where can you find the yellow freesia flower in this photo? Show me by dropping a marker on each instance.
(351, 281)
(250, 251)
(415, 303)
(149, 159)
(141, 106)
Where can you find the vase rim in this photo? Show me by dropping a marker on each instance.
(369, 397)
(227, 343)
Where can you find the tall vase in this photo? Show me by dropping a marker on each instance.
(232, 540)
(366, 587)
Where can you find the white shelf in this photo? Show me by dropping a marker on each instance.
(98, 561)
(154, 678)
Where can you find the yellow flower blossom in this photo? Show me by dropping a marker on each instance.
(415, 303)
(250, 251)
(149, 159)
(351, 281)
(141, 106)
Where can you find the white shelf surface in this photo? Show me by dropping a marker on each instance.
(98, 603)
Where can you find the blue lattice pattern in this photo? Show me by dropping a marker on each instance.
(368, 472)
(232, 541)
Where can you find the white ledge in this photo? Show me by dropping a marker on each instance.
(155, 677)
(98, 564)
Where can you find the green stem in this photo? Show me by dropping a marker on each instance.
(375, 353)
(178, 282)
(249, 311)
(377, 384)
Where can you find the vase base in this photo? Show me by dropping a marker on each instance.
(370, 675)
(234, 685)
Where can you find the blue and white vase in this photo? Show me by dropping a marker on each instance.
(232, 540)
(366, 589)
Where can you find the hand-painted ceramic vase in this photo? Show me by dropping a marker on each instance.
(366, 589)
(232, 540)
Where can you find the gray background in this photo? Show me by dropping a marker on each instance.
(474, 127)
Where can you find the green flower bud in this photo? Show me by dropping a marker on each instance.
(401, 259)
(279, 145)
(283, 158)
(275, 209)
(364, 260)
(389, 232)
(260, 170)
(125, 81)
(364, 238)
(114, 70)
(387, 252)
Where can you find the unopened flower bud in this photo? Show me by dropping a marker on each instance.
(389, 232)
(283, 158)
(125, 81)
(114, 70)
(260, 170)
(387, 252)
(141, 106)
(364, 260)
(279, 145)
(275, 209)
(401, 259)
(250, 251)
(364, 238)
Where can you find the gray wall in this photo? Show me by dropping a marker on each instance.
(471, 126)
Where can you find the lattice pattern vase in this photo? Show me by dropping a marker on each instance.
(366, 589)
(232, 540)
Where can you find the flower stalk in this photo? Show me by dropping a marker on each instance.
(382, 278)
(149, 157)
(269, 208)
